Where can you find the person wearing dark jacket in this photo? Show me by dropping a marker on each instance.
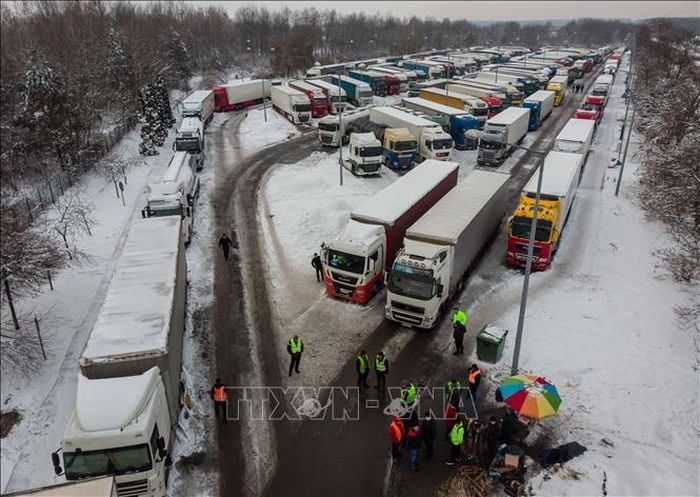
(225, 243)
(295, 348)
(396, 436)
(316, 264)
(363, 367)
(458, 334)
(492, 439)
(414, 443)
(381, 369)
(428, 430)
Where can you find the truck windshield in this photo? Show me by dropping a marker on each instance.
(366, 94)
(187, 145)
(480, 111)
(405, 145)
(347, 262)
(158, 211)
(521, 228)
(117, 461)
(302, 107)
(411, 281)
(490, 144)
(442, 144)
(370, 151)
(327, 126)
(319, 101)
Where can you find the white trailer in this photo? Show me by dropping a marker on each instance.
(334, 93)
(199, 104)
(442, 246)
(434, 142)
(176, 193)
(239, 94)
(189, 138)
(129, 388)
(500, 135)
(292, 104)
(576, 137)
(332, 130)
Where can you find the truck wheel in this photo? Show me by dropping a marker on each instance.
(353, 170)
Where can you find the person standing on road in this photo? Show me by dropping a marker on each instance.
(316, 264)
(456, 438)
(218, 395)
(458, 335)
(414, 443)
(396, 436)
(362, 366)
(453, 389)
(459, 316)
(492, 438)
(225, 243)
(474, 380)
(428, 430)
(295, 347)
(381, 369)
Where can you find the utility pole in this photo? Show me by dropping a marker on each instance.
(340, 133)
(629, 91)
(262, 82)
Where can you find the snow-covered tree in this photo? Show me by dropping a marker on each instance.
(176, 57)
(120, 70)
(149, 121)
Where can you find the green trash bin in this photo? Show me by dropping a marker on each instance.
(490, 342)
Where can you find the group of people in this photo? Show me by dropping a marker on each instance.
(412, 433)
(578, 87)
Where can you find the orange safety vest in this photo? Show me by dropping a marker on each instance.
(473, 375)
(219, 394)
(397, 434)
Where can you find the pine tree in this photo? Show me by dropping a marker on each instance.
(120, 71)
(177, 57)
(149, 120)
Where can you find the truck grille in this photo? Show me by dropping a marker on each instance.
(405, 318)
(132, 488)
(522, 248)
(407, 307)
(344, 290)
(303, 119)
(326, 139)
(345, 279)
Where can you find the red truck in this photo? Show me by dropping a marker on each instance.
(494, 103)
(592, 108)
(393, 84)
(235, 96)
(318, 99)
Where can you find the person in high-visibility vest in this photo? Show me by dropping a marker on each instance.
(219, 396)
(396, 436)
(456, 438)
(453, 389)
(459, 316)
(409, 393)
(295, 347)
(363, 367)
(474, 378)
(381, 369)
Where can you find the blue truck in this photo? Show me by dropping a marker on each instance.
(459, 121)
(376, 81)
(358, 92)
(540, 104)
(427, 69)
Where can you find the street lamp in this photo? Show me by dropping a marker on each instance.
(528, 264)
(340, 106)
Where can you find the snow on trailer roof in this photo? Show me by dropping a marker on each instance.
(390, 203)
(448, 218)
(356, 82)
(197, 96)
(403, 115)
(322, 83)
(508, 116)
(576, 130)
(560, 169)
(429, 104)
(135, 314)
(540, 96)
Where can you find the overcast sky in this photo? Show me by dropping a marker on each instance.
(500, 10)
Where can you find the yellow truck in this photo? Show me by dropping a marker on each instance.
(558, 85)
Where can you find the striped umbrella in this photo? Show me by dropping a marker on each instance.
(530, 395)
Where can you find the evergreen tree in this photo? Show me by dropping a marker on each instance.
(177, 57)
(149, 120)
(120, 71)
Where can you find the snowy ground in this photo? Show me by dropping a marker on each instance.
(264, 127)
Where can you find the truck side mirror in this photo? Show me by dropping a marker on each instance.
(189, 212)
(508, 225)
(143, 213)
(439, 290)
(173, 145)
(56, 463)
(160, 443)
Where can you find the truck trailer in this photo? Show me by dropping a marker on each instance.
(467, 103)
(318, 99)
(375, 80)
(355, 261)
(189, 138)
(459, 121)
(292, 104)
(199, 104)
(236, 96)
(442, 246)
(496, 100)
(501, 134)
(540, 104)
(425, 69)
(334, 131)
(592, 108)
(560, 179)
(359, 93)
(129, 388)
(402, 78)
(576, 137)
(336, 96)
(176, 193)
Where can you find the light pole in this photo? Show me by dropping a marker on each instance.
(633, 69)
(528, 263)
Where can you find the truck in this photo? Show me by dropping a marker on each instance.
(540, 104)
(411, 75)
(500, 135)
(175, 195)
(496, 100)
(426, 69)
(359, 93)
(189, 137)
(592, 108)
(364, 154)
(528, 84)
(509, 94)
(336, 96)
(560, 179)
(375, 80)
(333, 130)
(236, 96)
(355, 261)
(292, 104)
(129, 388)
(602, 86)
(440, 119)
(558, 85)
(503, 81)
(467, 103)
(91, 487)
(539, 75)
(199, 104)
(402, 78)
(459, 121)
(576, 137)
(442, 246)
(433, 142)
(318, 99)
(399, 148)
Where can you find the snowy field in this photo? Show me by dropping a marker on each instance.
(264, 127)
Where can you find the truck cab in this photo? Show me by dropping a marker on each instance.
(120, 427)
(189, 137)
(365, 154)
(592, 108)
(546, 234)
(535, 108)
(399, 148)
(435, 144)
(559, 89)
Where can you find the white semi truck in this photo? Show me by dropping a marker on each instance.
(334, 129)
(129, 388)
(364, 155)
(442, 246)
(189, 138)
(176, 193)
(576, 137)
(336, 96)
(433, 141)
(292, 104)
(500, 135)
(199, 104)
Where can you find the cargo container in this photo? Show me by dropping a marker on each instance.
(375, 80)
(199, 104)
(560, 179)
(540, 104)
(496, 99)
(442, 246)
(428, 69)
(467, 103)
(355, 261)
(459, 122)
(235, 96)
(510, 84)
(501, 134)
(189, 138)
(318, 99)
(576, 137)
(336, 95)
(335, 130)
(359, 93)
(292, 104)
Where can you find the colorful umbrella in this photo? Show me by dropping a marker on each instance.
(530, 395)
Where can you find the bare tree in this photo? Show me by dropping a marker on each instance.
(21, 349)
(70, 217)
